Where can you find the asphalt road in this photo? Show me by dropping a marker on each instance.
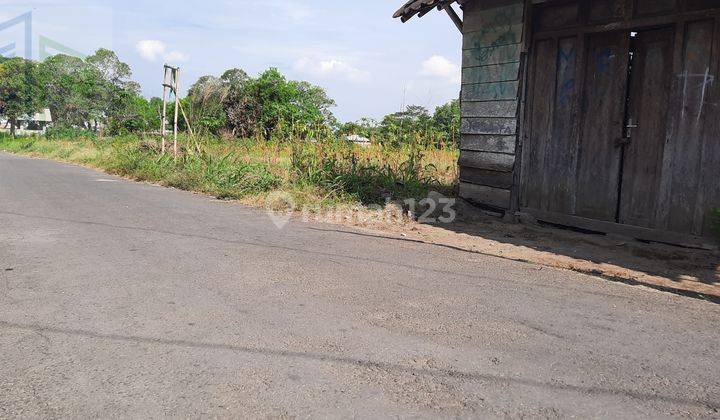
(120, 299)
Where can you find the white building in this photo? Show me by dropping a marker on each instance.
(359, 140)
(37, 124)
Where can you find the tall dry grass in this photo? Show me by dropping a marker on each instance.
(317, 173)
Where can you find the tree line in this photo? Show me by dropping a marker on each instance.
(97, 94)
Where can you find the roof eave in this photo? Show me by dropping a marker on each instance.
(422, 7)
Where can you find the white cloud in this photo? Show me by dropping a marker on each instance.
(175, 57)
(154, 50)
(150, 49)
(441, 67)
(331, 68)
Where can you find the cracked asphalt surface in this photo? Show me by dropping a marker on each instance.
(120, 299)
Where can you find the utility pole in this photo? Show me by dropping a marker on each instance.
(171, 85)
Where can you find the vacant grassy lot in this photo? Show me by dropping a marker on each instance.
(315, 174)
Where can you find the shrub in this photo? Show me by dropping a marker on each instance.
(231, 177)
(69, 133)
(343, 170)
(225, 176)
(715, 221)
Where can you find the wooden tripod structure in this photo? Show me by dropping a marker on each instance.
(171, 84)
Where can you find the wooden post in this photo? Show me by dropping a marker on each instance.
(454, 16)
(164, 113)
(177, 108)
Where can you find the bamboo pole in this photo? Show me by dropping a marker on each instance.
(177, 108)
(190, 130)
(187, 121)
(164, 113)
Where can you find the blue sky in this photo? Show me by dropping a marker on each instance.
(369, 63)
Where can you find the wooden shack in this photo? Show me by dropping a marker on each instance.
(598, 114)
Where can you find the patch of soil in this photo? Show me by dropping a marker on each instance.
(691, 272)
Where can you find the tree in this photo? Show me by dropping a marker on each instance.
(205, 104)
(274, 98)
(73, 90)
(234, 78)
(406, 126)
(365, 127)
(314, 104)
(412, 125)
(90, 93)
(447, 121)
(118, 98)
(258, 106)
(140, 115)
(20, 93)
(111, 69)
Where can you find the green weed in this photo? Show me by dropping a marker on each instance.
(68, 133)
(316, 173)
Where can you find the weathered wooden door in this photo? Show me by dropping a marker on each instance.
(578, 113)
(622, 126)
(603, 115)
(628, 77)
(646, 124)
(613, 172)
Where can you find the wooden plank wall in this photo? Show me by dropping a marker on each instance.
(690, 184)
(492, 47)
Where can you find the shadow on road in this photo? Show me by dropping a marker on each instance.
(355, 362)
(577, 252)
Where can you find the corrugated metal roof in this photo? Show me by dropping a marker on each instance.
(42, 116)
(422, 7)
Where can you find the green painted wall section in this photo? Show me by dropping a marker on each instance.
(492, 49)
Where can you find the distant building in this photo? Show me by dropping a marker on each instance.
(29, 125)
(359, 140)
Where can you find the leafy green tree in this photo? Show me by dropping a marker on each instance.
(98, 92)
(111, 69)
(235, 79)
(139, 116)
(365, 127)
(314, 104)
(405, 126)
(412, 125)
(90, 93)
(275, 100)
(73, 90)
(118, 93)
(447, 121)
(20, 92)
(258, 106)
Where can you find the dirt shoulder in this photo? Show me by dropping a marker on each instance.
(691, 272)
